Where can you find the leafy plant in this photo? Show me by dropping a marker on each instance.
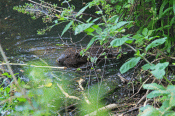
(166, 96)
(107, 28)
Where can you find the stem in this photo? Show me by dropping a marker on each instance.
(167, 80)
(8, 66)
(140, 55)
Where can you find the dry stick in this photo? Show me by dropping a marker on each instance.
(130, 110)
(145, 94)
(108, 107)
(66, 94)
(46, 6)
(22, 90)
(34, 66)
(139, 88)
(81, 87)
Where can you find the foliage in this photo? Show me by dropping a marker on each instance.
(155, 34)
(167, 98)
(42, 95)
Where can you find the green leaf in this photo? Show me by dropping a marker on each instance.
(137, 53)
(174, 7)
(165, 12)
(157, 93)
(95, 19)
(151, 38)
(118, 25)
(172, 100)
(159, 71)
(99, 12)
(113, 19)
(172, 21)
(6, 74)
(67, 27)
(145, 31)
(90, 43)
(82, 10)
(149, 111)
(118, 42)
(156, 43)
(150, 32)
(146, 66)
(129, 64)
(162, 7)
(171, 88)
(164, 106)
(153, 86)
(82, 27)
(90, 30)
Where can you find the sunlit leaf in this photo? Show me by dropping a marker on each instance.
(48, 85)
(99, 12)
(130, 64)
(156, 43)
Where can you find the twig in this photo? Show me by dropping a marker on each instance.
(139, 88)
(34, 65)
(145, 94)
(122, 79)
(66, 94)
(140, 55)
(81, 87)
(46, 6)
(108, 107)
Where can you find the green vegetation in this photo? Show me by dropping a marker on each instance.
(153, 22)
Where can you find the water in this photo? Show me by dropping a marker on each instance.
(21, 44)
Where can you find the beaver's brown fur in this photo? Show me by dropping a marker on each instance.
(71, 56)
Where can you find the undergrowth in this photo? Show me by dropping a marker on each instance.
(109, 26)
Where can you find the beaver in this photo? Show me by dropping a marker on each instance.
(71, 56)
